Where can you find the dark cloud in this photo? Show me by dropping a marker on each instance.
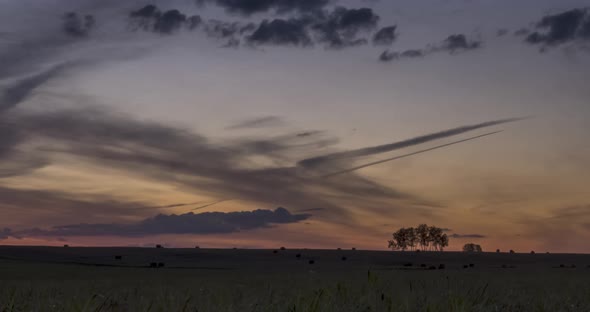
(281, 32)
(562, 28)
(189, 223)
(455, 43)
(340, 28)
(502, 32)
(77, 25)
(455, 235)
(386, 36)
(150, 18)
(260, 122)
(388, 56)
(248, 7)
(321, 160)
(5, 233)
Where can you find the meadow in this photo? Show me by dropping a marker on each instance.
(95, 279)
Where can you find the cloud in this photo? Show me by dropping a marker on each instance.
(76, 25)
(322, 160)
(281, 32)
(260, 122)
(459, 42)
(386, 36)
(249, 7)
(150, 18)
(453, 44)
(5, 233)
(562, 28)
(340, 28)
(455, 235)
(188, 223)
(388, 56)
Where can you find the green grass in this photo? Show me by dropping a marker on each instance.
(58, 287)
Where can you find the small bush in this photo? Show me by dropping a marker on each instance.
(511, 251)
(498, 250)
(159, 246)
(283, 248)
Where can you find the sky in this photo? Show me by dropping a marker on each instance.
(249, 123)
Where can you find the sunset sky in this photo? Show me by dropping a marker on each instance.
(125, 123)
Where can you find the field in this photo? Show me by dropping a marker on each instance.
(92, 279)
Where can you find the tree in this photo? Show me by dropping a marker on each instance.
(472, 248)
(427, 237)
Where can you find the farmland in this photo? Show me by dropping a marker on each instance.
(122, 279)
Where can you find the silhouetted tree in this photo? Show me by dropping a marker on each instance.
(472, 248)
(427, 237)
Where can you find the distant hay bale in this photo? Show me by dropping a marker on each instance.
(311, 261)
(353, 248)
(532, 252)
(118, 257)
(338, 248)
(66, 246)
(283, 248)
(197, 247)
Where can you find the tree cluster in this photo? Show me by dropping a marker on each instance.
(423, 236)
(472, 248)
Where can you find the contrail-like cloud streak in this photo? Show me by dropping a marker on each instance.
(315, 161)
(407, 155)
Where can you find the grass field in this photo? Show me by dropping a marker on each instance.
(91, 279)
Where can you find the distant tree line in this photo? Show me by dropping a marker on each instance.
(423, 237)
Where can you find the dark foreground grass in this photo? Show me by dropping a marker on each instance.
(58, 287)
